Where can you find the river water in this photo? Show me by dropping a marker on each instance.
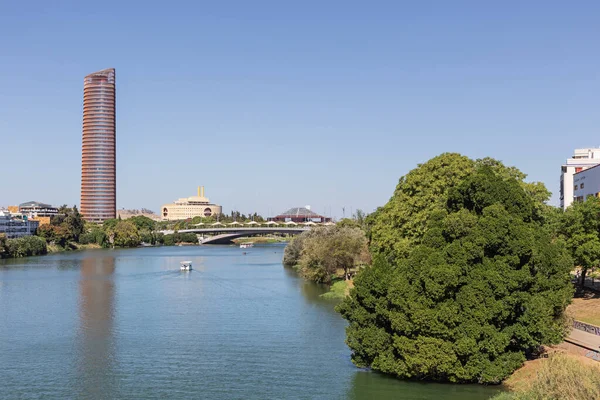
(127, 324)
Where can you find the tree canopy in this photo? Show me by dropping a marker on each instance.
(464, 283)
(321, 253)
(401, 223)
(580, 227)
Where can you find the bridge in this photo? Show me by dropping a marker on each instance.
(226, 235)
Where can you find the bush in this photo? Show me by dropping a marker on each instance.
(479, 288)
(175, 238)
(26, 246)
(319, 254)
(293, 251)
(560, 377)
(169, 240)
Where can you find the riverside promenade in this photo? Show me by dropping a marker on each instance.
(583, 342)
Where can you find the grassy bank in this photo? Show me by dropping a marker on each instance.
(262, 240)
(338, 290)
(560, 376)
(54, 248)
(586, 308)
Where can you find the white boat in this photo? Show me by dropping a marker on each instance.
(186, 266)
(246, 245)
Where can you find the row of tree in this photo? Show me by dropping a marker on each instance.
(69, 229)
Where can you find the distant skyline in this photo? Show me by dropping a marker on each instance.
(271, 105)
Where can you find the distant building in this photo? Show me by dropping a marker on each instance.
(16, 227)
(98, 157)
(586, 183)
(299, 215)
(190, 207)
(35, 209)
(582, 159)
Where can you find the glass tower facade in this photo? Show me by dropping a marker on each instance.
(98, 157)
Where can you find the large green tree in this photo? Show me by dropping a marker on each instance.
(143, 223)
(123, 234)
(469, 288)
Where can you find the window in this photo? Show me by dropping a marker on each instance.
(575, 187)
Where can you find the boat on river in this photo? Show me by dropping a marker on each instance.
(186, 266)
(246, 245)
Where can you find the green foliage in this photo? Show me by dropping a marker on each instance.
(337, 291)
(470, 287)
(68, 225)
(402, 221)
(58, 234)
(124, 234)
(348, 223)
(3, 249)
(176, 238)
(396, 227)
(293, 251)
(580, 226)
(143, 223)
(65, 227)
(94, 236)
(320, 253)
(169, 240)
(24, 247)
(109, 224)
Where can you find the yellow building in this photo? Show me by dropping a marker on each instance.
(41, 220)
(190, 207)
(13, 209)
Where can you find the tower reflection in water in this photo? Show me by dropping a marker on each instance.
(95, 355)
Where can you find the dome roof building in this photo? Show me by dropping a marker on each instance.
(300, 214)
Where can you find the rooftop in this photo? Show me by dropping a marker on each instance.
(35, 204)
(300, 212)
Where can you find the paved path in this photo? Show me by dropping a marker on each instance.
(585, 339)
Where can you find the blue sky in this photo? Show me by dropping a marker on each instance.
(275, 104)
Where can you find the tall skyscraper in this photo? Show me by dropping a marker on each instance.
(98, 155)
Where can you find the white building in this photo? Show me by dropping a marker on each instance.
(190, 207)
(582, 159)
(14, 227)
(34, 209)
(586, 183)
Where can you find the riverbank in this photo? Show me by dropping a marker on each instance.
(338, 290)
(558, 375)
(53, 248)
(262, 240)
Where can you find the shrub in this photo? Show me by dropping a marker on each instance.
(320, 253)
(560, 377)
(26, 246)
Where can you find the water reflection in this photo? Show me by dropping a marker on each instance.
(96, 343)
(372, 385)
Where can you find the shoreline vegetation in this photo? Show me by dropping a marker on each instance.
(68, 232)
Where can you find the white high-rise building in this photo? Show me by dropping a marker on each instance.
(582, 159)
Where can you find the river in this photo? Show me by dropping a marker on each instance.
(125, 324)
